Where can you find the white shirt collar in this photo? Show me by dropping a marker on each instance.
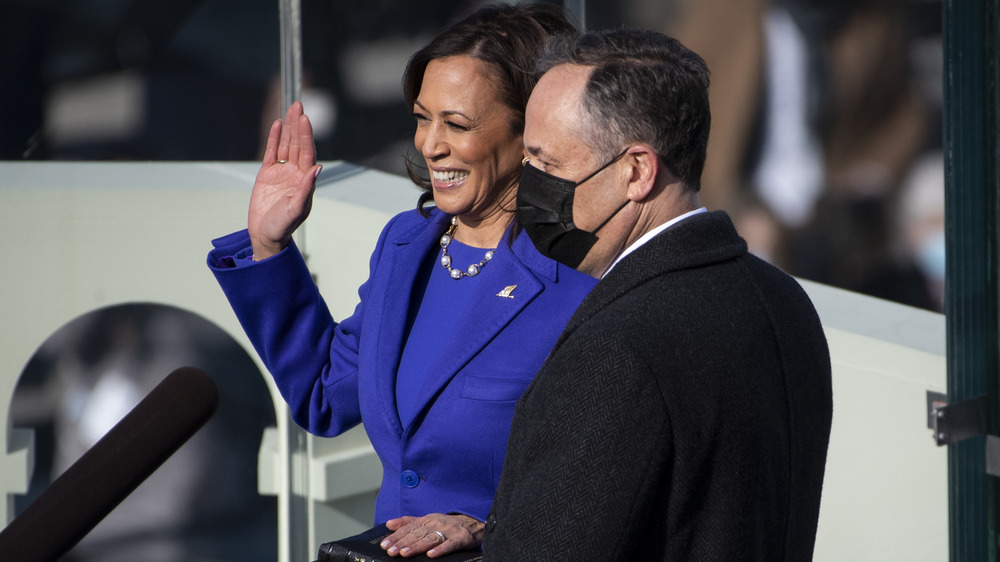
(649, 236)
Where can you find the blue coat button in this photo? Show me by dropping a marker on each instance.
(409, 479)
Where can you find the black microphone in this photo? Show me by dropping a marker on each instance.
(110, 470)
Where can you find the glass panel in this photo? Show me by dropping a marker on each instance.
(135, 80)
(825, 146)
(353, 59)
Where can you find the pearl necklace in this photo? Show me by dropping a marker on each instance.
(473, 269)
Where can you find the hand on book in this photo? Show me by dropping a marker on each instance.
(436, 534)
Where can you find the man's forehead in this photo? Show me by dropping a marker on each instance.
(570, 78)
(553, 105)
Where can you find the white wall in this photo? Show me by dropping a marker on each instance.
(886, 490)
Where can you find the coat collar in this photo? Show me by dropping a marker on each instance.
(515, 264)
(698, 241)
(522, 247)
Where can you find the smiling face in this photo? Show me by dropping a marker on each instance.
(472, 154)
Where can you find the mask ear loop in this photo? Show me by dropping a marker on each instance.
(601, 169)
(622, 206)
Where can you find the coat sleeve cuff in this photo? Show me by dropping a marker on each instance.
(232, 251)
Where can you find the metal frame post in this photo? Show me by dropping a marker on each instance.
(971, 299)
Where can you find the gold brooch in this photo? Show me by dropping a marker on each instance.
(506, 292)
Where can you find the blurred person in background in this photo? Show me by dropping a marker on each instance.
(821, 110)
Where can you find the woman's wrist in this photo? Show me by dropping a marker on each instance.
(262, 251)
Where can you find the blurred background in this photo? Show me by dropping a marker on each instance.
(825, 149)
(202, 504)
(825, 143)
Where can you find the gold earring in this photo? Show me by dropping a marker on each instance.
(524, 161)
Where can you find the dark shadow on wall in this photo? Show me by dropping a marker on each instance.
(202, 504)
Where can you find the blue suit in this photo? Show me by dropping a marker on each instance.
(334, 376)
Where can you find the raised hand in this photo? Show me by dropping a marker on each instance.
(282, 193)
(436, 534)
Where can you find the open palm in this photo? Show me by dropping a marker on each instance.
(282, 193)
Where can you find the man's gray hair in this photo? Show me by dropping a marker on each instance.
(644, 87)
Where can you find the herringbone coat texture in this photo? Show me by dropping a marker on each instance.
(684, 415)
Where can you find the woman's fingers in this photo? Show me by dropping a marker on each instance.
(446, 544)
(293, 120)
(294, 142)
(271, 148)
(306, 155)
(427, 543)
(401, 527)
(285, 143)
(435, 534)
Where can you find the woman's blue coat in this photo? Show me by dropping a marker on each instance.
(335, 375)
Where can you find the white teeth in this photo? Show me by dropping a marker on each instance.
(449, 176)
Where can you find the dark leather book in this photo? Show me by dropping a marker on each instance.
(365, 548)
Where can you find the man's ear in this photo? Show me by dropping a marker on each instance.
(645, 168)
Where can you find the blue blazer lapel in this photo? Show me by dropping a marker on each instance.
(492, 315)
(410, 247)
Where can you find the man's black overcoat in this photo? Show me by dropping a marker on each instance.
(683, 415)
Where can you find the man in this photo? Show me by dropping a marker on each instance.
(684, 413)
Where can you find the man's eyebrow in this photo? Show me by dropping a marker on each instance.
(537, 152)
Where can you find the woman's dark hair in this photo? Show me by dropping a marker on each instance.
(509, 39)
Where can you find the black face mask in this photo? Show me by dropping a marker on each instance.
(545, 210)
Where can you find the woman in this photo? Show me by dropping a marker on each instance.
(458, 312)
